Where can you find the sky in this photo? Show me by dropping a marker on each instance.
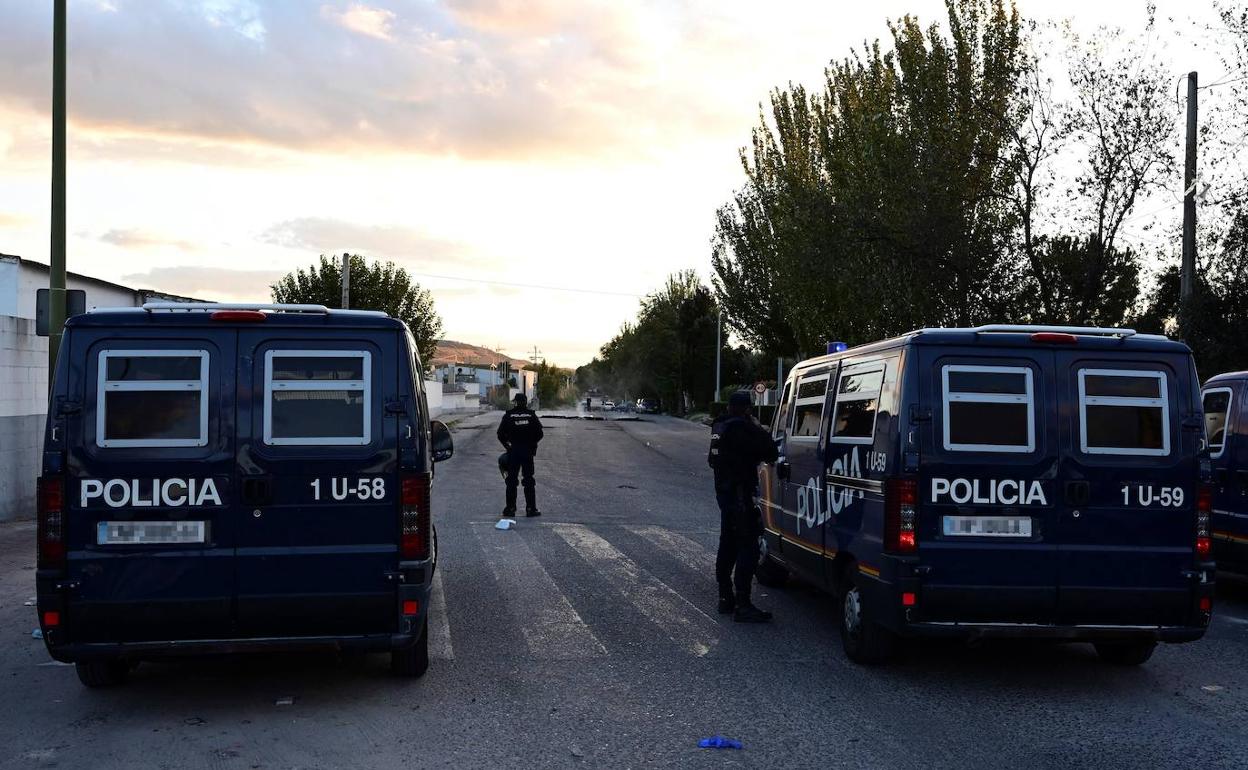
(499, 150)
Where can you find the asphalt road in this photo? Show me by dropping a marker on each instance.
(588, 637)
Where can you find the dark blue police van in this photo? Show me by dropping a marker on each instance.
(1226, 423)
(229, 478)
(1043, 482)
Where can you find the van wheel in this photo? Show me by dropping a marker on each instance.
(102, 673)
(1128, 654)
(865, 641)
(413, 660)
(772, 573)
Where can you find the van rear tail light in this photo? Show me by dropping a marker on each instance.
(1060, 338)
(414, 537)
(50, 509)
(1204, 509)
(901, 514)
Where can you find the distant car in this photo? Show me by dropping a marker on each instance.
(648, 405)
(625, 406)
(608, 404)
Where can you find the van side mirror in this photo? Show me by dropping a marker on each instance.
(443, 445)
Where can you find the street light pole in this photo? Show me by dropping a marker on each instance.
(56, 273)
(1187, 281)
(719, 349)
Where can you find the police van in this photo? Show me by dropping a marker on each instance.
(231, 478)
(1226, 423)
(1043, 482)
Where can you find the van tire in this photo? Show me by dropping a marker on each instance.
(412, 661)
(1125, 654)
(771, 573)
(102, 673)
(865, 641)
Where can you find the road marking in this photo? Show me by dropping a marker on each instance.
(552, 628)
(680, 619)
(684, 549)
(1232, 618)
(439, 625)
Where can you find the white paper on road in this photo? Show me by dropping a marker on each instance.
(552, 628)
(680, 619)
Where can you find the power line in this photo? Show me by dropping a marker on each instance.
(540, 287)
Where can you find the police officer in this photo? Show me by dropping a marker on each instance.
(520, 432)
(738, 445)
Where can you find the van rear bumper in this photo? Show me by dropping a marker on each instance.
(74, 652)
(1108, 633)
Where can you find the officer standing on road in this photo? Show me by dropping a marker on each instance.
(520, 432)
(738, 445)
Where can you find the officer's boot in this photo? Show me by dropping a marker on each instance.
(727, 602)
(530, 501)
(747, 612)
(510, 510)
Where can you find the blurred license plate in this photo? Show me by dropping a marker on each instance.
(150, 532)
(988, 526)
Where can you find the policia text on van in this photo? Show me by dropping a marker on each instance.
(1015, 481)
(222, 478)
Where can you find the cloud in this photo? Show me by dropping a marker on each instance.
(212, 283)
(373, 22)
(472, 78)
(332, 236)
(14, 220)
(136, 238)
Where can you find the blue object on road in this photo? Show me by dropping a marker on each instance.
(720, 742)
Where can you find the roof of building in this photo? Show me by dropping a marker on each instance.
(146, 294)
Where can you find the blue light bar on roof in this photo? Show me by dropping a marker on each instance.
(837, 347)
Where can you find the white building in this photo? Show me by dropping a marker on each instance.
(24, 371)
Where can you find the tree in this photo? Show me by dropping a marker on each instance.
(882, 203)
(375, 286)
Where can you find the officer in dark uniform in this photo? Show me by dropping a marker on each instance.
(738, 445)
(520, 432)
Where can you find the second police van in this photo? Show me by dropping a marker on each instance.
(1043, 482)
(1226, 424)
(223, 478)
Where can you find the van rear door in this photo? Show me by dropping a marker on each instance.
(1126, 522)
(149, 533)
(318, 482)
(987, 523)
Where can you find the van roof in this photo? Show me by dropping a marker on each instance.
(166, 314)
(1226, 377)
(1020, 336)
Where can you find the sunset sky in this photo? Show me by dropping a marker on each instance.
(216, 144)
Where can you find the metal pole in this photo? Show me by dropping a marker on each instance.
(719, 349)
(1188, 281)
(346, 281)
(779, 378)
(56, 275)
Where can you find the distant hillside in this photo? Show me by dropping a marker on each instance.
(451, 352)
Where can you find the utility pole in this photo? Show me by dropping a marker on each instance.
(56, 275)
(1188, 279)
(719, 349)
(346, 281)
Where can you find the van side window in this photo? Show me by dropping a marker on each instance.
(808, 409)
(857, 399)
(781, 420)
(1123, 412)
(1217, 405)
(152, 398)
(989, 408)
(317, 397)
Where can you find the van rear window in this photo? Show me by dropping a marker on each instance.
(1123, 412)
(152, 398)
(988, 409)
(1217, 407)
(317, 397)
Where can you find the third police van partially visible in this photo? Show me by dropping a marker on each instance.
(1043, 482)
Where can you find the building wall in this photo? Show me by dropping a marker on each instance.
(23, 405)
